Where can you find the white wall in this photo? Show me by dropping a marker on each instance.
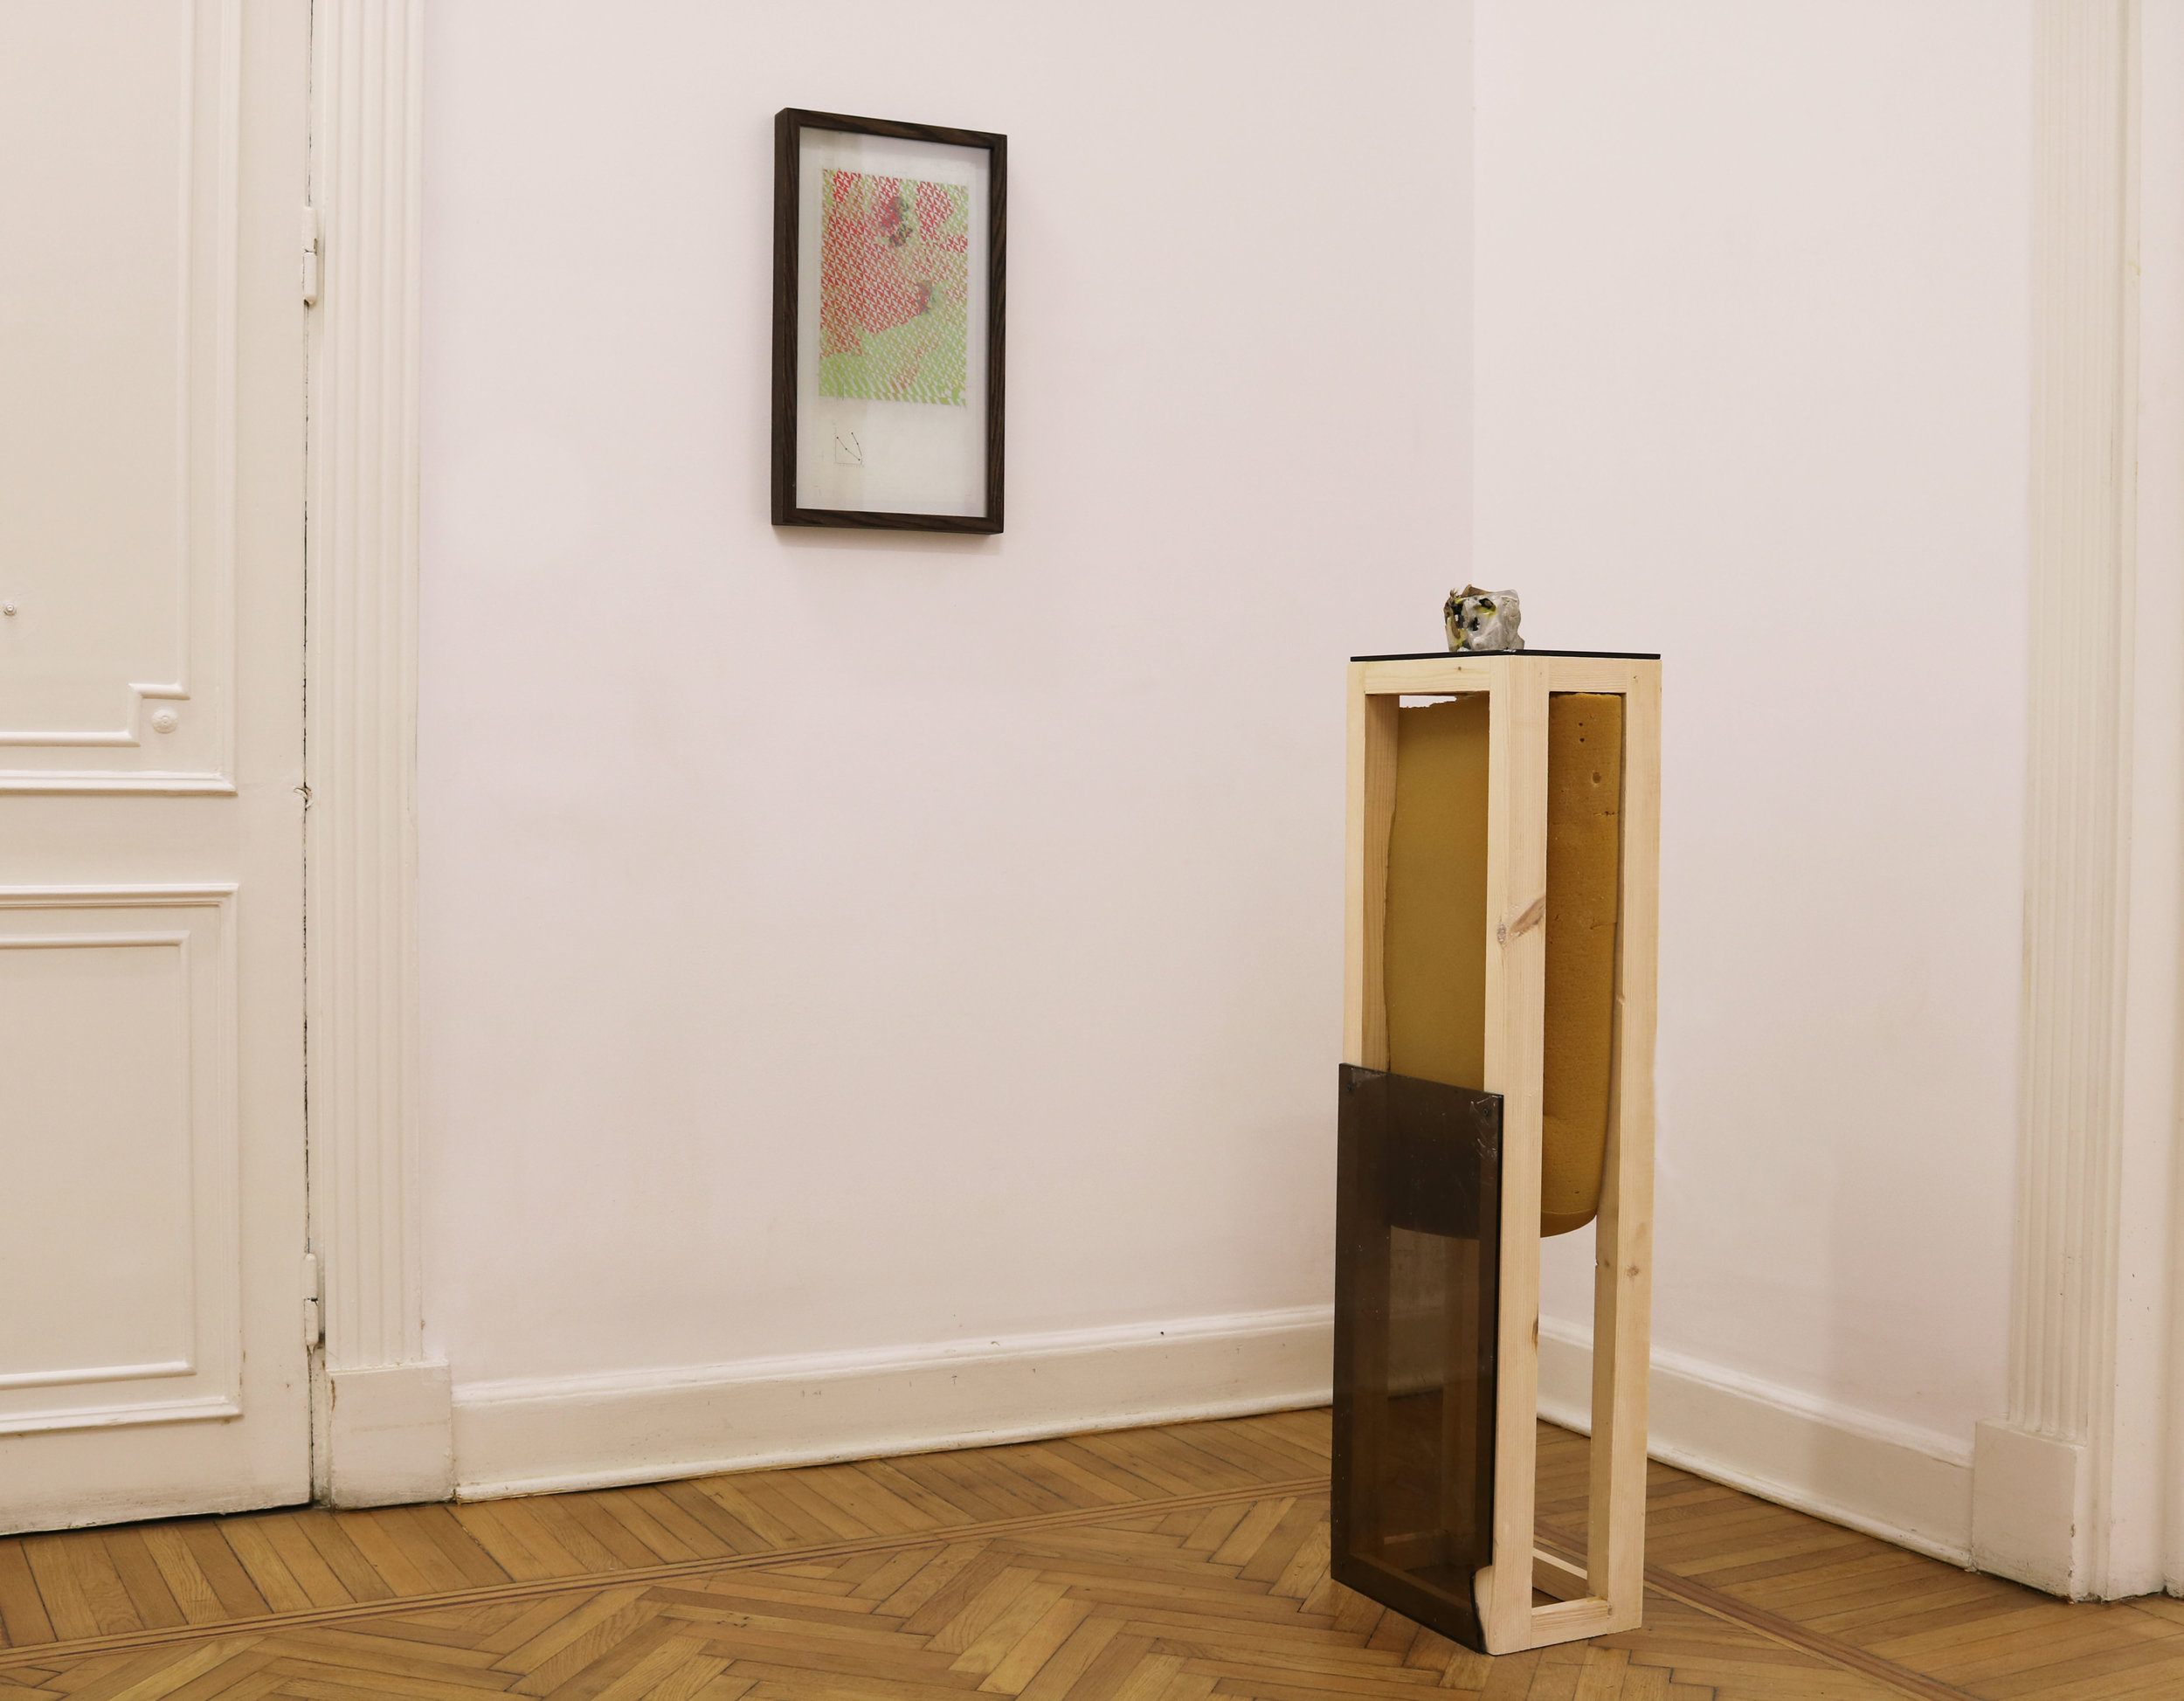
(882, 990)
(1751, 307)
(834, 945)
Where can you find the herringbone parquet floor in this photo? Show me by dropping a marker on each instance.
(1157, 1565)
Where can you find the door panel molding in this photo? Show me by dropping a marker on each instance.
(143, 1072)
(385, 1420)
(191, 654)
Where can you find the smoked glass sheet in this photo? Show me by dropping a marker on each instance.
(1417, 1263)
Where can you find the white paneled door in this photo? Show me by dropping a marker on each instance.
(153, 159)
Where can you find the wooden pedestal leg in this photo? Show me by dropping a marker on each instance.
(1622, 1292)
(1516, 1014)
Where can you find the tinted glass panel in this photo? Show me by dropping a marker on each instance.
(1418, 1207)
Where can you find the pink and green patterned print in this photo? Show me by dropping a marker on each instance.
(894, 289)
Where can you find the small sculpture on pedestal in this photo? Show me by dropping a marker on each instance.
(1478, 619)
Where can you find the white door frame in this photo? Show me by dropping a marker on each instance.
(381, 1415)
(2079, 1487)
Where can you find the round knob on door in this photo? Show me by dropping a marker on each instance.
(165, 720)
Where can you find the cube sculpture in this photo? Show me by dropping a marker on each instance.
(1497, 1087)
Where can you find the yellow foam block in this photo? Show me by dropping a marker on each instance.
(1435, 948)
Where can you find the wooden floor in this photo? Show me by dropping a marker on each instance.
(1152, 1565)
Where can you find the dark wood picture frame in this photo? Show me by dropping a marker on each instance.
(789, 126)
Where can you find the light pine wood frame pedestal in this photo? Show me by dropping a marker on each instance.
(1606, 1595)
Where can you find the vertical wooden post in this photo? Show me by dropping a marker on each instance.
(1371, 812)
(1622, 1282)
(1516, 1018)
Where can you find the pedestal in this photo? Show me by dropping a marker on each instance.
(1439, 1207)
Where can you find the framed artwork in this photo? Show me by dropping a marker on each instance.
(890, 252)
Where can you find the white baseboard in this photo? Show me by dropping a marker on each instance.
(539, 1435)
(1906, 1485)
(544, 1435)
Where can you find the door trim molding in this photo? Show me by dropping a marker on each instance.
(2040, 1501)
(383, 1421)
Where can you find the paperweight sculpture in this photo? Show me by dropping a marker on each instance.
(1497, 1087)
